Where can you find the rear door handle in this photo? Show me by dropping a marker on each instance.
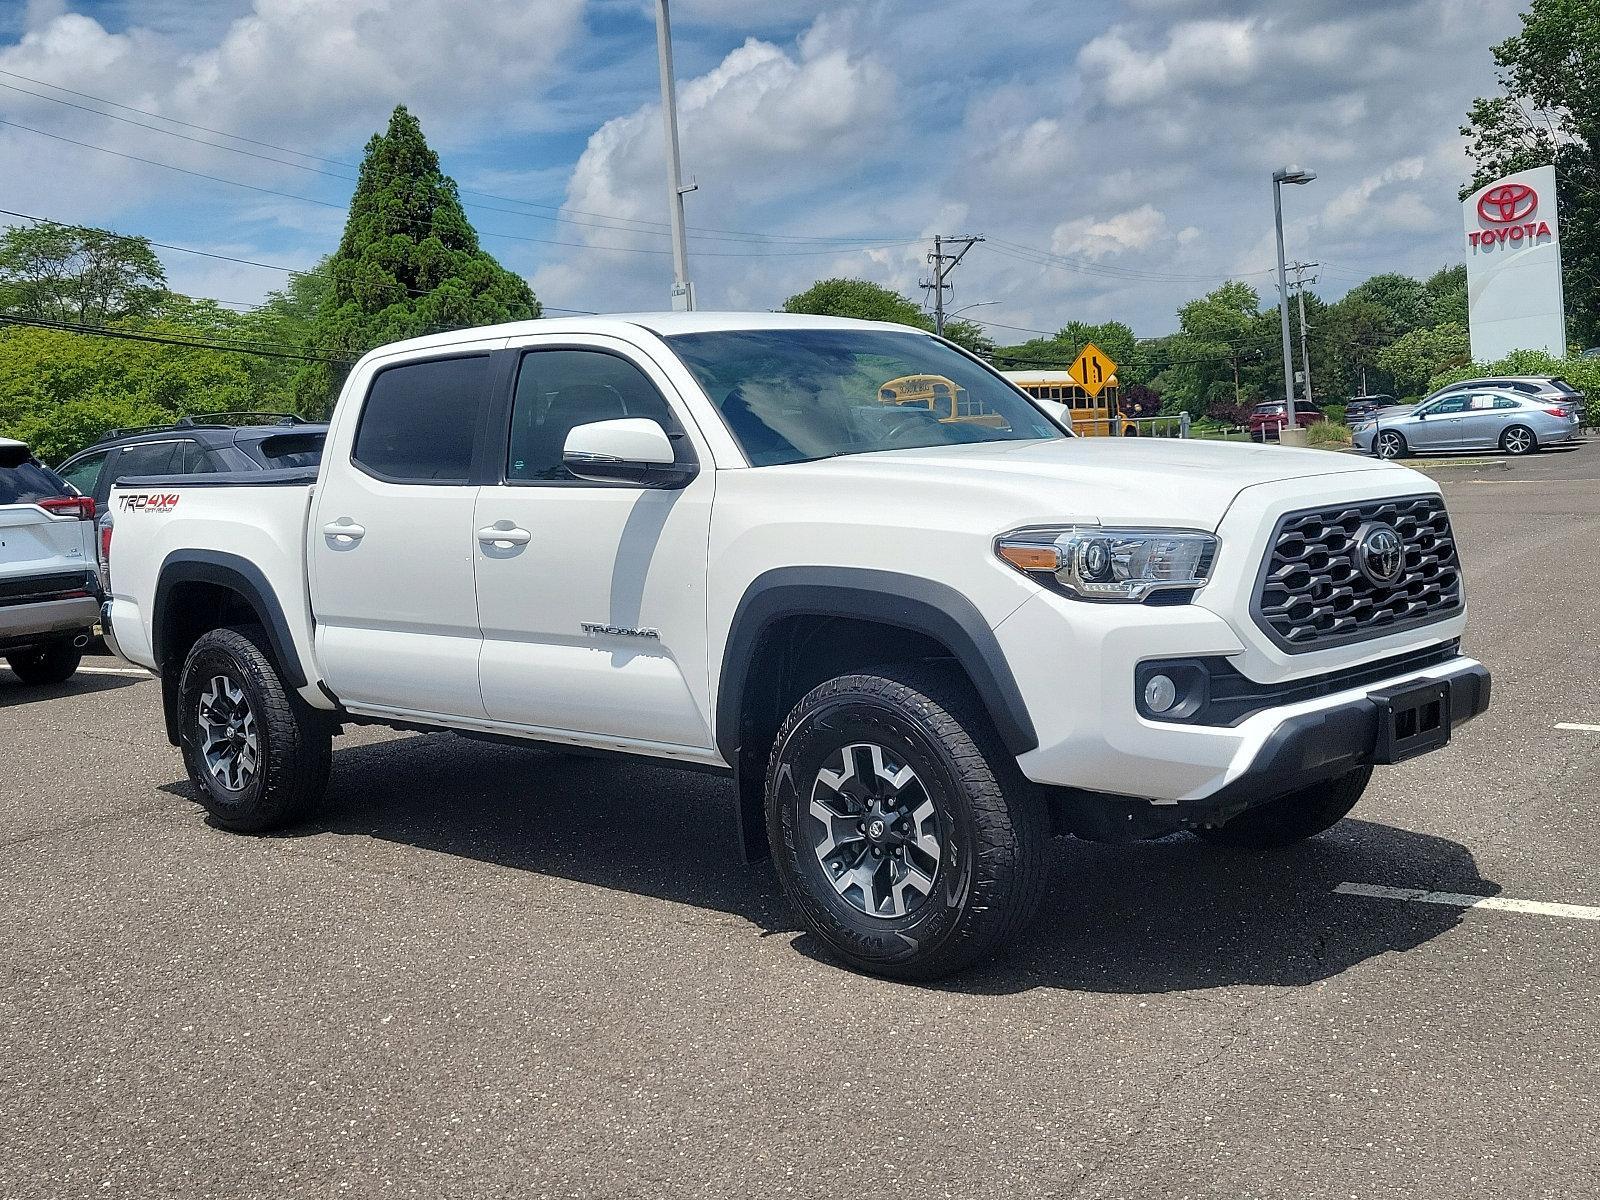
(491, 535)
(344, 528)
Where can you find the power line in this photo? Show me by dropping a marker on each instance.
(164, 340)
(1046, 258)
(625, 224)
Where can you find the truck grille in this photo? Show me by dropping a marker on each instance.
(1313, 593)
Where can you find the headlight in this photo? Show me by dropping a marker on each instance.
(1091, 563)
(1362, 426)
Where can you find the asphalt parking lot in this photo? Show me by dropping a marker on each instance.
(493, 972)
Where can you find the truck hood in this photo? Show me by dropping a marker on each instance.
(1159, 481)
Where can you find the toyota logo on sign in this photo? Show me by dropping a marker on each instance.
(1507, 202)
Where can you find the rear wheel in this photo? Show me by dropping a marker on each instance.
(1390, 445)
(1292, 817)
(1519, 439)
(55, 662)
(901, 828)
(258, 754)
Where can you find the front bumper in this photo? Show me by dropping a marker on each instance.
(1316, 746)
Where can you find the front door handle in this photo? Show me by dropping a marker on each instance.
(344, 528)
(493, 535)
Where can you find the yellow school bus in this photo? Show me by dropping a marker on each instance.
(1092, 416)
(946, 399)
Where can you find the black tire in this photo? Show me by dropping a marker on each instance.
(295, 742)
(1293, 817)
(1395, 439)
(993, 832)
(55, 662)
(1519, 440)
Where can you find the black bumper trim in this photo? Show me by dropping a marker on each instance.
(1314, 747)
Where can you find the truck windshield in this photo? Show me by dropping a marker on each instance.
(793, 395)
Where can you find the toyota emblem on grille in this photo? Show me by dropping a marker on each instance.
(1380, 554)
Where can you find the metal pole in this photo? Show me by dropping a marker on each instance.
(1305, 358)
(938, 285)
(1283, 307)
(682, 289)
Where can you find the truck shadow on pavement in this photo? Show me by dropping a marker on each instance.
(1176, 914)
(13, 692)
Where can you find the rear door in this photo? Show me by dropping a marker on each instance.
(591, 595)
(1483, 420)
(390, 547)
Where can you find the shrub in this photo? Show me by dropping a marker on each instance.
(1334, 413)
(1328, 434)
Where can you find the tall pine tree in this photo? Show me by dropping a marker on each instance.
(408, 264)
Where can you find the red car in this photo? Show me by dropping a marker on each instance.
(1266, 421)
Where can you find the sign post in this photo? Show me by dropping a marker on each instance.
(1513, 246)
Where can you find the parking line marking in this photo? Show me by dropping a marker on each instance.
(1578, 912)
(1583, 728)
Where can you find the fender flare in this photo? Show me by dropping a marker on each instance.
(889, 598)
(238, 575)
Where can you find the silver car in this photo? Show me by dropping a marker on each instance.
(1535, 387)
(1486, 419)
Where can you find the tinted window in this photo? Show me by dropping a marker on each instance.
(28, 483)
(286, 450)
(792, 395)
(419, 420)
(1561, 385)
(85, 473)
(1505, 402)
(193, 459)
(149, 458)
(560, 389)
(1450, 404)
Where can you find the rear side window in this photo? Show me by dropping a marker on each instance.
(286, 450)
(193, 460)
(420, 418)
(149, 458)
(29, 483)
(85, 473)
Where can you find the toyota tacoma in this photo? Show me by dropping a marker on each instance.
(922, 638)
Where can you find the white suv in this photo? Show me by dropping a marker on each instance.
(921, 638)
(49, 591)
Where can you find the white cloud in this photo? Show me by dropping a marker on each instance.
(1135, 229)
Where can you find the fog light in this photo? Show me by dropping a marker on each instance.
(1160, 693)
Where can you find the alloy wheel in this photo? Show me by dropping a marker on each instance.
(1389, 445)
(876, 831)
(230, 745)
(1518, 441)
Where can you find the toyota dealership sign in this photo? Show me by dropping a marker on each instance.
(1513, 246)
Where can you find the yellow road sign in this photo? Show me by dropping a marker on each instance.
(1093, 369)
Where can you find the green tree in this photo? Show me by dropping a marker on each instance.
(1063, 347)
(1447, 295)
(73, 273)
(862, 300)
(1548, 111)
(1423, 353)
(409, 262)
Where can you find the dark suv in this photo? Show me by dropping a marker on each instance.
(211, 442)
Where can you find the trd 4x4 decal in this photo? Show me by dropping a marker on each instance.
(149, 501)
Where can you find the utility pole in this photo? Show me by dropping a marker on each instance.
(1300, 281)
(682, 289)
(1283, 175)
(943, 264)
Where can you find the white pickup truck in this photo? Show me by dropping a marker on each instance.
(921, 640)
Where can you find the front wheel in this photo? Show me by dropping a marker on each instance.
(258, 754)
(1390, 445)
(1292, 817)
(1518, 439)
(901, 829)
(43, 665)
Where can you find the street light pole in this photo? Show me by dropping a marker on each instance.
(682, 289)
(1280, 177)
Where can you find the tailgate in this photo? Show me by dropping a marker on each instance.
(36, 543)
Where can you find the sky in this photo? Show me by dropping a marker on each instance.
(1116, 155)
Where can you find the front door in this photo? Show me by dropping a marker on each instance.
(390, 543)
(591, 596)
(1440, 429)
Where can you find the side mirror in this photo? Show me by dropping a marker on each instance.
(633, 450)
